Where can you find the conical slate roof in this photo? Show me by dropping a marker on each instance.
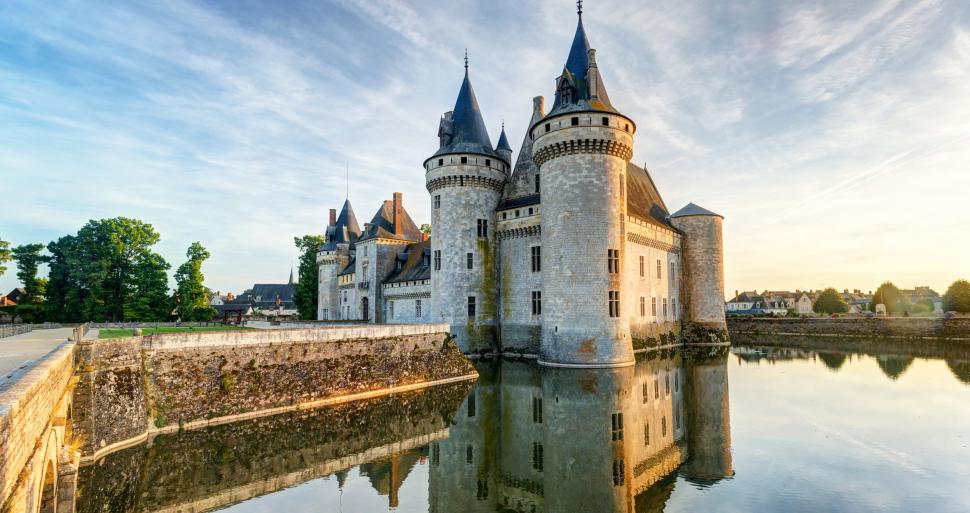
(503, 141)
(345, 231)
(468, 132)
(694, 210)
(577, 73)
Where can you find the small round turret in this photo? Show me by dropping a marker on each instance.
(703, 266)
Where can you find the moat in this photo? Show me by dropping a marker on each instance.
(756, 429)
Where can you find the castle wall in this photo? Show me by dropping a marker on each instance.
(584, 211)
(467, 192)
(521, 330)
(405, 299)
(330, 263)
(653, 244)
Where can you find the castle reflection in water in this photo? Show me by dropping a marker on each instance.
(522, 438)
(535, 439)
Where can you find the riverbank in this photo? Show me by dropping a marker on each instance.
(134, 387)
(935, 328)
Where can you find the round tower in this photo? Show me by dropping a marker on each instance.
(465, 177)
(702, 295)
(582, 148)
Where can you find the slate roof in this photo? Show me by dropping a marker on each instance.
(382, 225)
(577, 65)
(643, 201)
(465, 126)
(232, 307)
(345, 231)
(503, 141)
(694, 210)
(265, 293)
(522, 181)
(416, 263)
(522, 201)
(349, 269)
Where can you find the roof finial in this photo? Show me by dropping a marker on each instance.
(579, 8)
(466, 59)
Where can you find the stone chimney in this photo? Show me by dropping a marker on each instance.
(398, 214)
(333, 217)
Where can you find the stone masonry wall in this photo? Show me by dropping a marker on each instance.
(188, 379)
(703, 270)
(882, 327)
(405, 298)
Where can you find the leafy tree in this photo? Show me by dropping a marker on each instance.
(957, 297)
(5, 255)
(306, 294)
(150, 300)
(30, 306)
(191, 295)
(889, 295)
(829, 301)
(426, 229)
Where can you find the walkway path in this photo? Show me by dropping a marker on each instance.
(19, 352)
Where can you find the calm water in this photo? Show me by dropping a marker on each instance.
(754, 430)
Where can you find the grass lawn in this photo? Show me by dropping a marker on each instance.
(128, 332)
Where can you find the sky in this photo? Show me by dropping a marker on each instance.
(833, 136)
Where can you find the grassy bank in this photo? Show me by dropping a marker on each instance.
(128, 332)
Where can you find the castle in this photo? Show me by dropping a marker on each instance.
(569, 252)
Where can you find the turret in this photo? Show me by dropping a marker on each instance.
(332, 257)
(582, 148)
(502, 148)
(702, 294)
(465, 177)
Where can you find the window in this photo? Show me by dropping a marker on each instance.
(643, 306)
(470, 258)
(606, 121)
(673, 306)
(646, 433)
(646, 392)
(614, 303)
(471, 406)
(488, 162)
(659, 267)
(437, 260)
(471, 307)
(391, 306)
(665, 308)
(464, 160)
(656, 388)
(483, 228)
(613, 261)
(616, 422)
(537, 183)
(673, 272)
(326, 314)
(626, 127)
(536, 302)
(574, 121)
(618, 473)
(547, 127)
(505, 215)
(536, 258)
(622, 180)
(417, 308)
(537, 410)
(663, 426)
(441, 162)
(530, 211)
(641, 265)
(537, 456)
(676, 382)
(437, 201)
(516, 213)
(653, 306)
(482, 493)
(469, 454)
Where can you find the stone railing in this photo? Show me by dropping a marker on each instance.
(10, 330)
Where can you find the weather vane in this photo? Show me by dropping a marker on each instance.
(579, 7)
(466, 58)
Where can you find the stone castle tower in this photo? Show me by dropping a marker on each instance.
(465, 178)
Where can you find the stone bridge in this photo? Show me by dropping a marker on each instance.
(38, 450)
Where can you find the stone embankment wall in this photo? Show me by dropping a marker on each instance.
(957, 328)
(165, 382)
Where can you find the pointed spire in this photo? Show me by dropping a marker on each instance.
(586, 90)
(503, 141)
(291, 275)
(467, 132)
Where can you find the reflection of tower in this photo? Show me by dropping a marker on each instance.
(708, 420)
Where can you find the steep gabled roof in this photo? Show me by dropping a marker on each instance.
(465, 130)
(643, 201)
(346, 230)
(415, 260)
(382, 225)
(522, 182)
(349, 269)
(576, 72)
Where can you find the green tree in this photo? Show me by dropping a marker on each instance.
(306, 294)
(829, 301)
(30, 306)
(191, 294)
(957, 297)
(149, 300)
(888, 294)
(64, 296)
(5, 255)
(426, 229)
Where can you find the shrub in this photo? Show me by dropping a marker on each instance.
(957, 297)
(830, 302)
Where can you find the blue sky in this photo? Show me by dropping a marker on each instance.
(834, 136)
